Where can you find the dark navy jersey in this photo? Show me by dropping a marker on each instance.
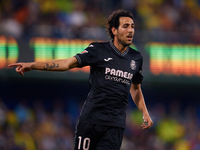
(111, 75)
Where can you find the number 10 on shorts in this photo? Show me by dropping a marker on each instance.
(86, 143)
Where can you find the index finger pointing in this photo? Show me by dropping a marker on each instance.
(15, 64)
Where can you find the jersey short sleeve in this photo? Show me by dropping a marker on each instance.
(88, 56)
(138, 77)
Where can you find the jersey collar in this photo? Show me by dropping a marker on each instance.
(117, 50)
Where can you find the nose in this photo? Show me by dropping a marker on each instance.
(131, 30)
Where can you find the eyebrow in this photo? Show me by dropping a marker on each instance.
(128, 24)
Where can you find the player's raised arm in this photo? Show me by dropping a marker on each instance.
(138, 98)
(55, 65)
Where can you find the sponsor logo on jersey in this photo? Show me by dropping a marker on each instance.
(108, 59)
(83, 52)
(118, 75)
(133, 65)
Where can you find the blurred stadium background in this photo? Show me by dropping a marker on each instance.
(39, 111)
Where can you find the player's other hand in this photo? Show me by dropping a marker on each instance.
(21, 67)
(147, 122)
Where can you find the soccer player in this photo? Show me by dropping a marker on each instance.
(115, 70)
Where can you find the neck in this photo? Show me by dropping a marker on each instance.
(119, 46)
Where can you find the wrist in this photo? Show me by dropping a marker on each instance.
(145, 114)
(32, 66)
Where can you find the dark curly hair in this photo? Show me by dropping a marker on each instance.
(113, 20)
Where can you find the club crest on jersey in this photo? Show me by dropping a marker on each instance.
(83, 52)
(133, 65)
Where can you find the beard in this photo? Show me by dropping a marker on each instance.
(123, 41)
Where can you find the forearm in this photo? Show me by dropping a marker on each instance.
(55, 65)
(138, 99)
(140, 103)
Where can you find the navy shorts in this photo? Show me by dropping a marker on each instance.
(97, 137)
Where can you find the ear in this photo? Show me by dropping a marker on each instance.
(114, 30)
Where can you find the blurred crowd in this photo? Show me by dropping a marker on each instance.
(37, 127)
(86, 19)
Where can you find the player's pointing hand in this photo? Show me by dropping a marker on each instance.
(21, 67)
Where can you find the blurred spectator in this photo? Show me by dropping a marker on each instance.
(11, 27)
(3, 110)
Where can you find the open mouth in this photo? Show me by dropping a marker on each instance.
(130, 37)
